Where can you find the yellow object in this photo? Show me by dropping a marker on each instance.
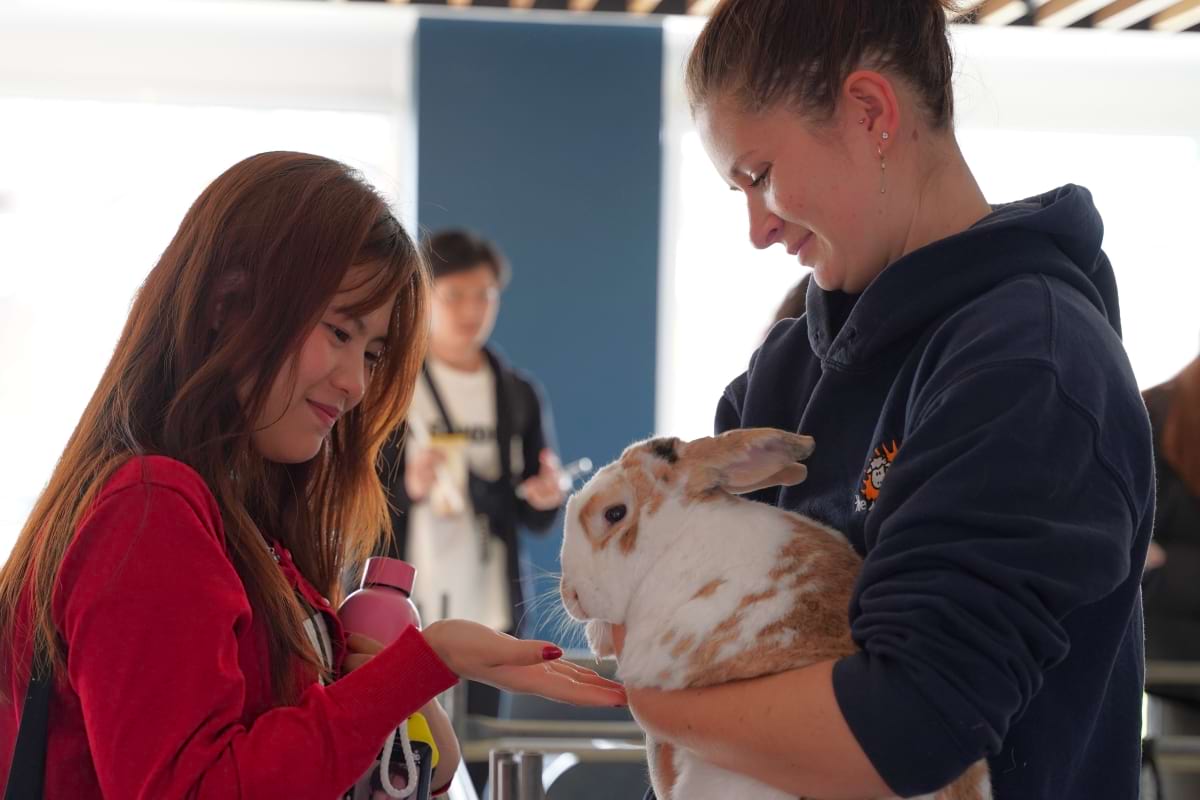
(419, 731)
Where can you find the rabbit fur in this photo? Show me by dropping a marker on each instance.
(711, 587)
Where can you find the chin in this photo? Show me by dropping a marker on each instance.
(291, 453)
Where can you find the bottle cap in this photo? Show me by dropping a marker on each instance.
(393, 572)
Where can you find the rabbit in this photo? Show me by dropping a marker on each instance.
(711, 587)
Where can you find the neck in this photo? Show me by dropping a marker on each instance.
(464, 359)
(947, 199)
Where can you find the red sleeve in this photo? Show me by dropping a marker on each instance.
(150, 608)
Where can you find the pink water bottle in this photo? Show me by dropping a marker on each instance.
(382, 608)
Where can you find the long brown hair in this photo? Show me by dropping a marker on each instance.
(253, 266)
(1179, 441)
(800, 52)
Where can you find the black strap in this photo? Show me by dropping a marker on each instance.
(28, 771)
(503, 435)
(437, 398)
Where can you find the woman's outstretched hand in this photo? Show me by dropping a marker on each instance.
(476, 652)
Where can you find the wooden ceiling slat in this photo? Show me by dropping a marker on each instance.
(1000, 12)
(1061, 13)
(1127, 13)
(1179, 17)
(1161, 15)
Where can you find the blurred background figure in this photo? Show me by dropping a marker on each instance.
(1172, 585)
(475, 460)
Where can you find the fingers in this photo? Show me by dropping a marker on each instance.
(555, 684)
(357, 643)
(512, 652)
(582, 675)
(353, 661)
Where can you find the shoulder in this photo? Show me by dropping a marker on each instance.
(159, 484)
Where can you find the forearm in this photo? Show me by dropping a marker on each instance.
(785, 730)
(447, 743)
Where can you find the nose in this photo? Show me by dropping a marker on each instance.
(350, 378)
(765, 228)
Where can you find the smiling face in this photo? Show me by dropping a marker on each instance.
(814, 190)
(326, 378)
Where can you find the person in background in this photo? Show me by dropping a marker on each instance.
(1172, 583)
(475, 461)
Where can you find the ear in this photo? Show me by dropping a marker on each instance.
(870, 102)
(749, 459)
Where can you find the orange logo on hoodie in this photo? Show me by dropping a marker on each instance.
(877, 469)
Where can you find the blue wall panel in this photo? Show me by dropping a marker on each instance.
(545, 137)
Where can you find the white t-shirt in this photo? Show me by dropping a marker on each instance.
(457, 558)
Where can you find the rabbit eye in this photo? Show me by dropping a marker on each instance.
(614, 514)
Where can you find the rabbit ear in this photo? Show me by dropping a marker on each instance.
(746, 460)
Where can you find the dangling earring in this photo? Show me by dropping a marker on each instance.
(882, 169)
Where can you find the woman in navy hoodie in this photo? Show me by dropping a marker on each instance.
(980, 436)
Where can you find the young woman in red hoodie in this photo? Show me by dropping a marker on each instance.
(178, 574)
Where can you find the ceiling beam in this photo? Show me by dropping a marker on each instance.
(1127, 13)
(1061, 13)
(643, 6)
(1000, 12)
(581, 5)
(1179, 17)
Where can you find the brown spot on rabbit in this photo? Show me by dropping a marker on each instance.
(814, 628)
(629, 539)
(708, 589)
(682, 646)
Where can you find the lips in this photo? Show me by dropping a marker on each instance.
(327, 414)
(803, 245)
(798, 246)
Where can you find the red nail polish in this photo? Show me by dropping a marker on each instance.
(551, 653)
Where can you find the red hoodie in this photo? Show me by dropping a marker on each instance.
(167, 691)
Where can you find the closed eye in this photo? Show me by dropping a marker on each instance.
(754, 184)
(338, 333)
(614, 514)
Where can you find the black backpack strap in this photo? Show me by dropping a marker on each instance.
(28, 771)
(437, 398)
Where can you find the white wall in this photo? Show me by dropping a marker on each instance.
(113, 118)
(1113, 111)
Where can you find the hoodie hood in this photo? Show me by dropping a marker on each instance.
(1057, 234)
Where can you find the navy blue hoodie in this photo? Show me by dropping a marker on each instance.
(981, 441)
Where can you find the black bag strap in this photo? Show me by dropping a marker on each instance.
(437, 397)
(503, 437)
(28, 771)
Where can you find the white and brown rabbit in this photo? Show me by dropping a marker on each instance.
(711, 587)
